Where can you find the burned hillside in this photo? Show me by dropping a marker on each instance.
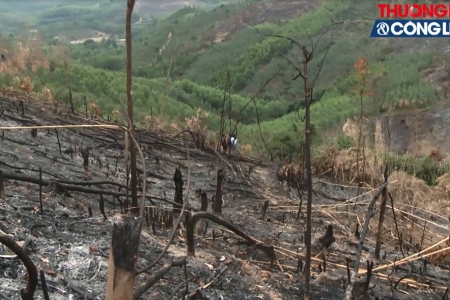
(70, 240)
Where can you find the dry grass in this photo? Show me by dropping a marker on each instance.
(160, 125)
(94, 110)
(246, 149)
(415, 192)
(342, 165)
(421, 182)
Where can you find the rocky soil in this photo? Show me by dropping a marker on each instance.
(72, 247)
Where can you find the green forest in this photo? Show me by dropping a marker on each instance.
(220, 46)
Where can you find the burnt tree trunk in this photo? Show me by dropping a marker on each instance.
(123, 255)
(134, 197)
(178, 180)
(2, 186)
(204, 202)
(190, 222)
(384, 198)
(221, 173)
(85, 107)
(70, 86)
(307, 87)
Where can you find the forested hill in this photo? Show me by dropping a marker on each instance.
(206, 50)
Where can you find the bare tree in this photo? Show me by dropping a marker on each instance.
(302, 69)
(134, 197)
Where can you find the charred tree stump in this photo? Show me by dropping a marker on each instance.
(221, 173)
(85, 154)
(85, 107)
(69, 85)
(2, 186)
(34, 133)
(178, 180)
(22, 106)
(324, 241)
(125, 237)
(59, 144)
(190, 234)
(264, 208)
(204, 202)
(40, 192)
(44, 285)
(101, 205)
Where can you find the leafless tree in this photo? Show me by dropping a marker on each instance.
(302, 72)
(134, 198)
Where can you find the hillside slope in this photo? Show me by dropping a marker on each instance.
(210, 43)
(72, 247)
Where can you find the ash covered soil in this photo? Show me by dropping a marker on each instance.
(72, 247)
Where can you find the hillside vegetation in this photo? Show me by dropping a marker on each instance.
(200, 47)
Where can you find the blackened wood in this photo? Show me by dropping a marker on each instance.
(221, 173)
(40, 192)
(178, 180)
(2, 186)
(190, 234)
(125, 237)
(204, 201)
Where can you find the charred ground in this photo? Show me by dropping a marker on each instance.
(72, 247)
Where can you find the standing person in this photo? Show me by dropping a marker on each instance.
(232, 139)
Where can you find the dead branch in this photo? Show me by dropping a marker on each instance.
(382, 210)
(28, 292)
(349, 290)
(267, 249)
(396, 225)
(44, 285)
(195, 294)
(253, 99)
(168, 264)
(58, 127)
(75, 286)
(177, 224)
(75, 186)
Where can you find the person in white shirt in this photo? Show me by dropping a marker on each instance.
(233, 141)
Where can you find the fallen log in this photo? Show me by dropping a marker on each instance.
(36, 180)
(77, 188)
(267, 249)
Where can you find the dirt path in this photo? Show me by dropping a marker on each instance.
(98, 37)
(186, 3)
